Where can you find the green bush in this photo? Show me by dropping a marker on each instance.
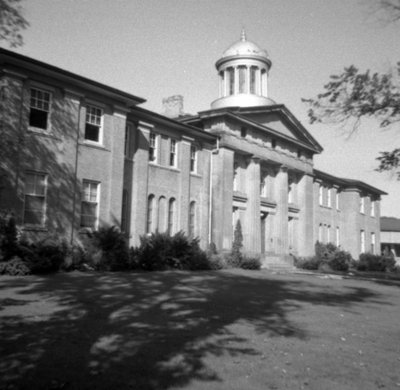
(112, 249)
(252, 263)
(14, 267)
(371, 262)
(160, 251)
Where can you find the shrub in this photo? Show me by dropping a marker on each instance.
(8, 237)
(217, 262)
(309, 263)
(328, 257)
(113, 250)
(341, 261)
(160, 251)
(252, 263)
(45, 256)
(14, 267)
(235, 259)
(371, 262)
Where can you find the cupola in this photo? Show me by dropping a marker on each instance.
(243, 76)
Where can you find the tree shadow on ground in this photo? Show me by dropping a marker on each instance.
(144, 331)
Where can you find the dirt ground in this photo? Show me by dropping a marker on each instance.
(201, 330)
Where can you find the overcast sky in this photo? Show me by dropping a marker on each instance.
(157, 48)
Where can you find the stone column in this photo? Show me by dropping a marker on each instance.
(140, 183)
(236, 80)
(305, 200)
(252, 224)
(281, 217)
(184, 183)
(222, 196)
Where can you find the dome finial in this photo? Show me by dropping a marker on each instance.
(243, 35)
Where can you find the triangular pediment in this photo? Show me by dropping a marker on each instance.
(279, 121)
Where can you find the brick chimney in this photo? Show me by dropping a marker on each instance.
(173, 106)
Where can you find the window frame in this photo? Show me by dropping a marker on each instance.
(90, 202)
(362, 241)
(99, 126)
(127, 140)
(173, 153)
(372, 208)
(321, 195)
(362, 204)
(33, 194)
(153, 149)
(171, 216)
(43, 91)
(193, 159)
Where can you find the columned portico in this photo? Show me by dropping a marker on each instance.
(305, 195)
(252, 232)
(281, 230)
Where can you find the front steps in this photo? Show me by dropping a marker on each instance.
(277, 263)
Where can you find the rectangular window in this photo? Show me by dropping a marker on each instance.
(329, 200)
(90, 204)
(35, 198)
(127, 149)
(235, 177)
(153, 147)
(193, 159)
(337, 236)
(321, 195)
(362, 204)
(337, 200)
(94, 123)
(362, 241)
(263, 185)
(320, 232)
(373, 243)
(328, 233)
(172, 153)
(39, 109)
(372, 208)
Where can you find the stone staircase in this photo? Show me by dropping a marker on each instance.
(277, 263)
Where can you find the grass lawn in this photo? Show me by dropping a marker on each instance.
(201, 330)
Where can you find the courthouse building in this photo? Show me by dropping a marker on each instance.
(77, 154)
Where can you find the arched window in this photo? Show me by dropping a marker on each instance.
(171, 216)
(150, 214)
(192, 217)
(161, 220)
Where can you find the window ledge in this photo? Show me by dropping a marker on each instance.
(168, 168)
(195, 174)
(94, 145)
(39, 131)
